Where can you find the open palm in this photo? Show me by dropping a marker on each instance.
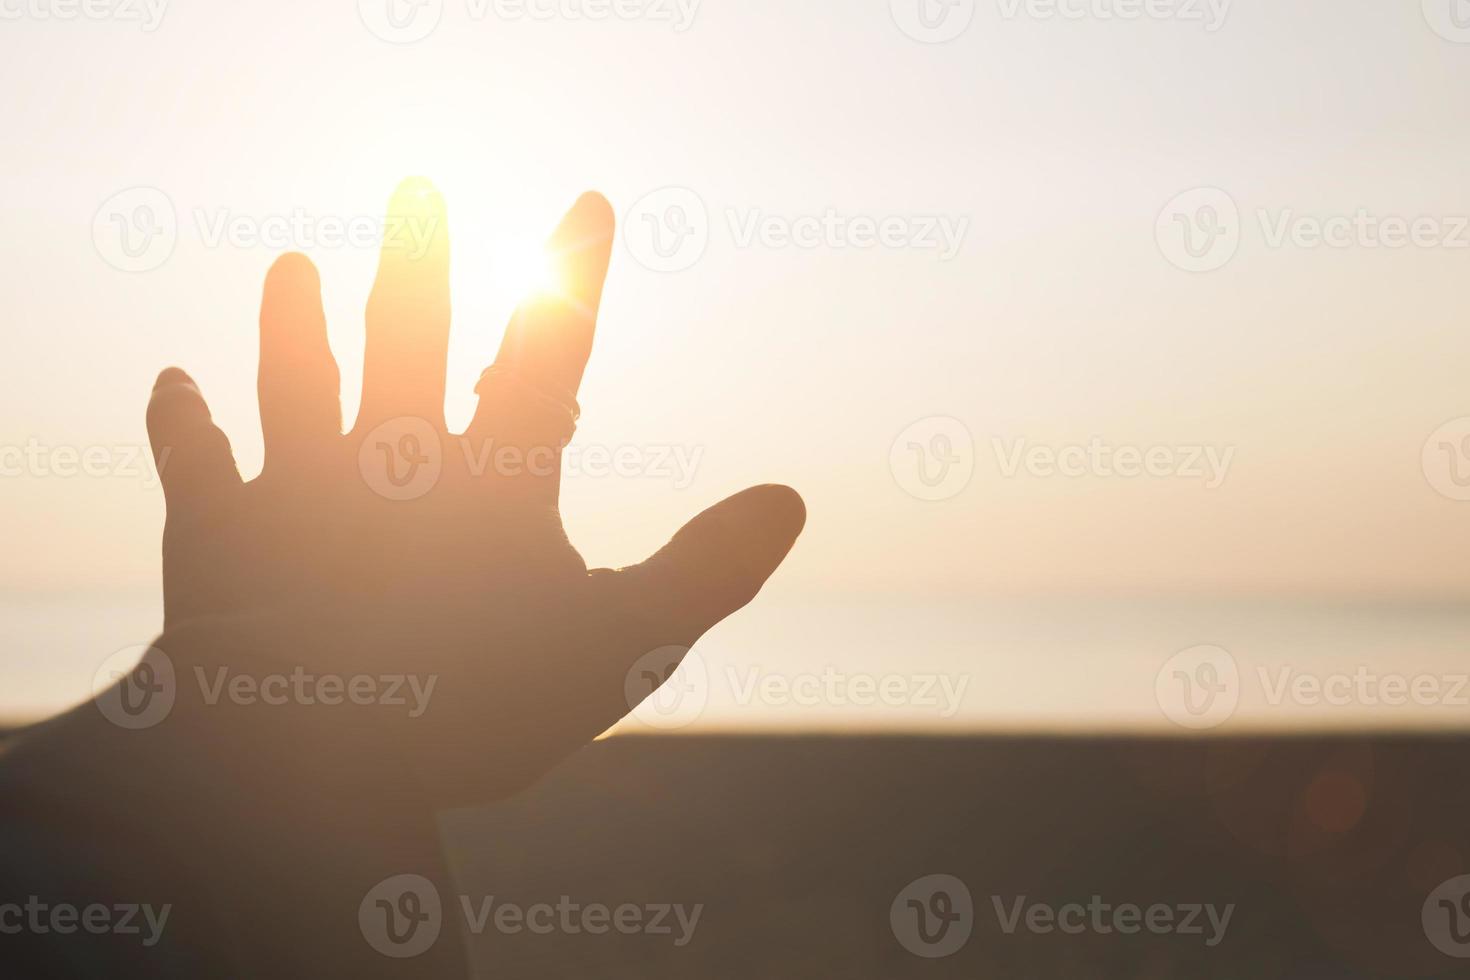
(403, 548)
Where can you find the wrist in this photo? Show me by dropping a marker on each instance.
(262, 824)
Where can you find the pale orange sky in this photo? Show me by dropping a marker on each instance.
(1058, 320)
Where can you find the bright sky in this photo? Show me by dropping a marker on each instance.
(1047, 147)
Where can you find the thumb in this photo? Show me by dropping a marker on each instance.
(715, 564)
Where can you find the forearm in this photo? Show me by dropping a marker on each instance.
(260, 856)
(79, 835)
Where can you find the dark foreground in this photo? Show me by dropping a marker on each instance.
(1328, 849)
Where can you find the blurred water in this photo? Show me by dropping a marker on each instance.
(53, 643)
(796, 664)
(1096, 664)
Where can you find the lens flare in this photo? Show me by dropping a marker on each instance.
(529, 273)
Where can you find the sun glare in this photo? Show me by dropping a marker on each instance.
(527, 273)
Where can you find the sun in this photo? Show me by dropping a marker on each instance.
(527, 273)
(493, 275)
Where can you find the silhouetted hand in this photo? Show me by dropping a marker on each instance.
(383, 624)
(400, 549)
